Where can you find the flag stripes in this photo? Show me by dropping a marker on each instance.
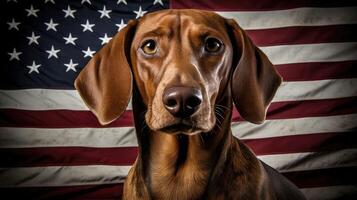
(48, 99)
(53, 147)
(251, 20)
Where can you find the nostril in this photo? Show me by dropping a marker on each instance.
(193, 102)
(171, 103)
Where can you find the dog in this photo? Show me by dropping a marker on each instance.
(185, 70)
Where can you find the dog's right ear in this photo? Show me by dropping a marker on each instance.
(105, 83)
(254, 79)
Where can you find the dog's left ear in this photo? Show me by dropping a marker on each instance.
(254, 79)
(105, 82)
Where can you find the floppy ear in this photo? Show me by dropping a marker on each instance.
(105, 82)
(254, 80)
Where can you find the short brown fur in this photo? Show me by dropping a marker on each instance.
(205, 161)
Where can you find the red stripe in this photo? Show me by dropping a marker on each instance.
(72, 156)
(318, 71)
(58, 119)
(308, 108)
(77, 119)
(242, 5)
(304, 35)
(68, 156)
(107, 192)
(317, 142)
(324, 177)
(303, 179)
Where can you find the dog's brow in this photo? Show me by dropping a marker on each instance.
(205, 31)
(159, 31)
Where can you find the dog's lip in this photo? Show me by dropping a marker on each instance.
(181, 128)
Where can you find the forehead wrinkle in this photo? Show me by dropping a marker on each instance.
(159, 31)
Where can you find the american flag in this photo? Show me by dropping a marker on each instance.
(52, 146)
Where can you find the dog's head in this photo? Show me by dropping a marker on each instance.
(183, 61)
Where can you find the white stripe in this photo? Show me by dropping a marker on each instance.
(71, 137)
(299, 126)
(47, 99)
(331, 192)
(305, 53)
(312, 90)
(62, 176)
(311, 160)
(42, 99)
(125, 136)
(293, 17)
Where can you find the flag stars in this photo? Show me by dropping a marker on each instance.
(104, 12)
(33, 67)
(158, 1)
(88, 1)
(14, 55)
(32, 12)
(139, 13)
(52, 1)
(88, 53)
(51, 25)
(13, 24)
(87, 26)
(69, 12)
(70, 39)
(122, 1)
(71, 66)
(121, 25)
(33, 38)
(105, 39)
(53, 52)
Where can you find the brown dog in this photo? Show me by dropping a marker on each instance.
(188, 66)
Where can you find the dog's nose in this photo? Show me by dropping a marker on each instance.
(182, 101)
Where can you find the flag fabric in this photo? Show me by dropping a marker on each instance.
(52, 146)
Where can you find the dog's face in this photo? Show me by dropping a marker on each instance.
(184, 57)
(182, 61)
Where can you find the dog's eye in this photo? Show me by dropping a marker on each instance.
(212, 45)
(149, 47)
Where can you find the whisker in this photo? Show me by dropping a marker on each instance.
(222, 106)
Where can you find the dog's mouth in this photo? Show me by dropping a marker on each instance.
(182, 128)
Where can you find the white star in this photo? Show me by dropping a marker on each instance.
(122, 1)
(14, 55)
(88, 53)
(69, 12)
(13, 24)
(139, 13)
(87, 26)
(121, 25)
(105, 39)
(33, 38)
(71, 66)
(70, 39)
(33, 67)
(53, 52)
(51, 25)
(32, 11)
(158, 1)
(104, 12)
(88, 1)
(52, 1)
